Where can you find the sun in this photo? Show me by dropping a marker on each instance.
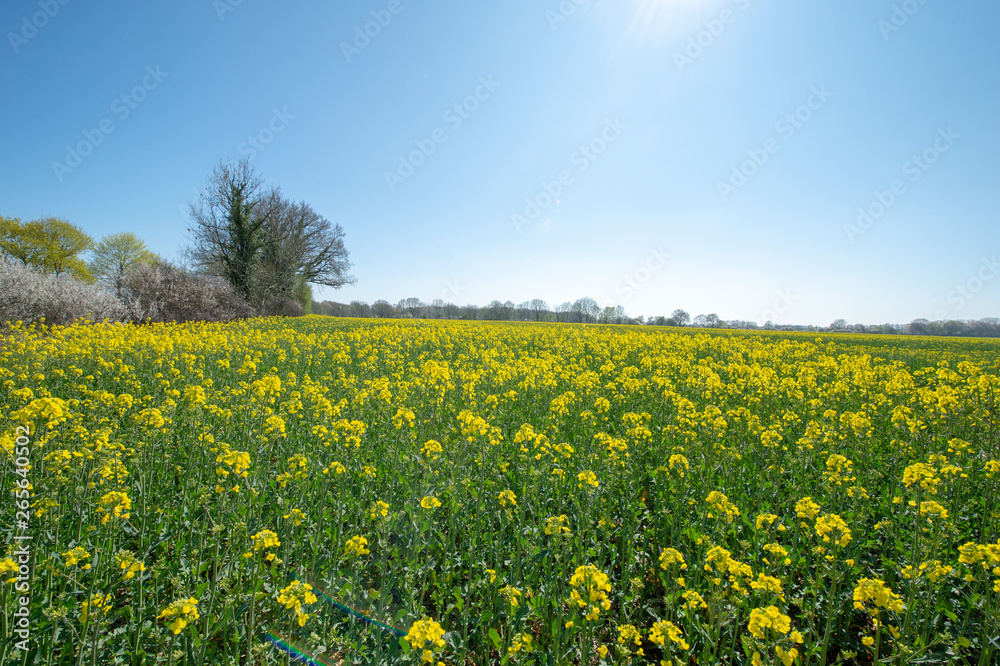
(655, 19)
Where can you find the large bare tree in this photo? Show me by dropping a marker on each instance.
(265, 246)
(227, 233)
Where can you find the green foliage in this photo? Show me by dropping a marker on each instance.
(304, 294)
(116, 255)
(50, 244)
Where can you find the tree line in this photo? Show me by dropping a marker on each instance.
(587, 311)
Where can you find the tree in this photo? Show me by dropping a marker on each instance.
(712, 320)
(586, 309)
(360, 309)
(383, 309)
(115, 256)
(607, 315)
(839, 325)
(50, 244)
(228, 222)
(681, 317)
(300, 245)
(265, 246)
(538, 308)
(410, 306)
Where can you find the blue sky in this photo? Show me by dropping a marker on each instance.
(714, 154)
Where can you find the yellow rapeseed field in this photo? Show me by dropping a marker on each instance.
(383, 492)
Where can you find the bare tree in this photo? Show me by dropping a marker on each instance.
(383, 309)
(227, 234)
(586, 309)
(681, 317)
(538, 308)
(265, 246)
(411, 306)
(300, 243)
(563, 311)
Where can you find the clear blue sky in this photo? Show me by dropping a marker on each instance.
(667, 120)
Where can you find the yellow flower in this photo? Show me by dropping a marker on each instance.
(75, 556)
(931, 509)
(787, 657)
(765, 519)
(426, 635)
(721, 503)
(670, 557)
(680, 463)
(179, 614)
(430, 502)
(274, 425)
(922, 474)
(762, 619)
(128, 563)
(380, 509)
(628, 636)
(264, 540)
(97, 605)
(588, 478)
(833, 526)
(590, 590)
(114, 505)
(768, 584)
(431, 450)
(663, 630)
(507, 497)
(694, 601)
(296, 516)
(511, 594)
(8, 565)
(806, 508)
(521, 643)
(335, 467)
(356, 547)
(876, 593)
(557, 526)
(294, 597)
